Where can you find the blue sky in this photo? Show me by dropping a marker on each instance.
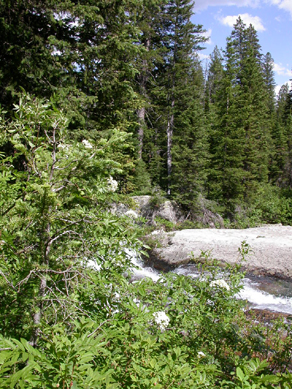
(271, 18)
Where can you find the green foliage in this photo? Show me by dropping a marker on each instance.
(157, 200)
(241, 143)
(271, 205)
(55, 196)
(141, 179)
(62, 360)
(59, 48)
(203, 340)
(70, 314)
(189, 225)
(167, 225)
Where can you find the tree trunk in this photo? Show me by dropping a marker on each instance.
(141, 120)
(169, 146)
(38, 314)
(143, 78)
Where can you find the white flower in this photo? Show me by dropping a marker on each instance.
(112, 184)
(132, 214)
(63, 146)
(87, 144)
(201, 354)
(221, 283)
(161, 319)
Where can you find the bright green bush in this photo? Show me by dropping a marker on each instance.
(205, 340)
(70, 315)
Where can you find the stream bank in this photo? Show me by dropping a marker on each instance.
(270, 248)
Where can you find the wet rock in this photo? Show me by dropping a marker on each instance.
(265, 316)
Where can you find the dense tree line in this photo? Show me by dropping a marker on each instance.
(219, 134)
(105, 97)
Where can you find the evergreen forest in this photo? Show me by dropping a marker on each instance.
(102, 100)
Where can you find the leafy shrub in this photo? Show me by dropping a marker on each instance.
(167, 225)
(71, 317)
(205, 341)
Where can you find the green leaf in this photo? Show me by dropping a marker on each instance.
(240, 374)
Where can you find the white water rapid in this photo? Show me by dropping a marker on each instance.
(261, 292)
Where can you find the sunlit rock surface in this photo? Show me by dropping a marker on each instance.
(270, 248)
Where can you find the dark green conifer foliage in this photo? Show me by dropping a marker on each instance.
(213, 90)
(287, 118)
(257, 124)
(268, 66)
(281, 163)
(83, 52)
(25, 58)
(190, 141)
(148, 21)
(214, 77)
(242, 151)
(178, 93)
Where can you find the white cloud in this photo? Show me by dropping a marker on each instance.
(247, 19)
(200, 5)
(282, 70)
(279, 86)
(277, 89)
(203, 56)
(207, 35)
(286, 5)
(203, 4)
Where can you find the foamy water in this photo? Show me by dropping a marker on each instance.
(252, 288)
(263, 300)
(139, 271)
(253, 293)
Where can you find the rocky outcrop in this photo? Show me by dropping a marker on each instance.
(270, 248)
(151, 207)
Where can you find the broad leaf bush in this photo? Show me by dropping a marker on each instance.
(71, 314)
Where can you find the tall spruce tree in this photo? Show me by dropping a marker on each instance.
(275, 164)
(213, 90)
(268, 66)
(190, 140)
(287, 122)
(148, 21)
(214, 77)
(279, 139)
(242, 152)
(178, 97)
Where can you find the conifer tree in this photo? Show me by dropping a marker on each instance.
(177, 91)
(281, 135)
(190, 142)
(242, 154)
(275, 165)
(280, 153)
(83, 53)
(148, 20)
(213, 90)
(287, 121)
(214, 77)
(268, 66)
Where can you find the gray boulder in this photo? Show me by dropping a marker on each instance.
(165, 209)
(270, 248)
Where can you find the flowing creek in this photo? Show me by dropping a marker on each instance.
(266, 293)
